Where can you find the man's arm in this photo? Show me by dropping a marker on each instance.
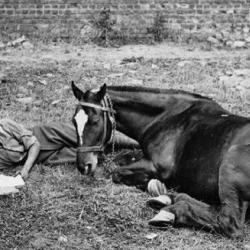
(33, 153)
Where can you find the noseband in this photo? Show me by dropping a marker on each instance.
(108, 115)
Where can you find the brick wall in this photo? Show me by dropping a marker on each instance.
(69, 18)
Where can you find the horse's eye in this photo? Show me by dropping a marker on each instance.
(94, 120)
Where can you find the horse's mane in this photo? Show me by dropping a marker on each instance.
(156, 91)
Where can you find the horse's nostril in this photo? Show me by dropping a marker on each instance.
(88, 167)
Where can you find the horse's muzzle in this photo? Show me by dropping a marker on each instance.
(86, 162)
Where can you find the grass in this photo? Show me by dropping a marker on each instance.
(59, 208)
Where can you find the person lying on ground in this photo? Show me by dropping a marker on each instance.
(52, 143)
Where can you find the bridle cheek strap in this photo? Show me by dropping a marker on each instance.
(90, 149)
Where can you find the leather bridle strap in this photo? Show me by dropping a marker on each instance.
(92, 105)
(90, 149)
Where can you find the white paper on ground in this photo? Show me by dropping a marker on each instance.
(11, 181)
(8, 190)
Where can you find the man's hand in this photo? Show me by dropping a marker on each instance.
(32, 155)
(23, 173)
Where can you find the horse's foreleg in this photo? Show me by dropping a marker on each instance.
(136, 174)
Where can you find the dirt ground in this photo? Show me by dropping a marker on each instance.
(59, 208)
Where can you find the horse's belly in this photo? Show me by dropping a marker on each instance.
(202, 187)
(198, 169)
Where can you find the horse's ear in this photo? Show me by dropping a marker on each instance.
(101, 93)
(77, 92)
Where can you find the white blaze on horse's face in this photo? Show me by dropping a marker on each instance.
(95, 90)
(81, 119)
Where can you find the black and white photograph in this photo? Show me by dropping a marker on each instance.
(124, 124)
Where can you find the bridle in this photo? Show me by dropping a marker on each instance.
(108, 116)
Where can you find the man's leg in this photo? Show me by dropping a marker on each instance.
(123, 141)
(65, 155)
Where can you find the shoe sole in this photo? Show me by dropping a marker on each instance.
(160, 224)
(155, 204)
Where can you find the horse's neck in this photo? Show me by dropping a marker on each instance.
(136, 110)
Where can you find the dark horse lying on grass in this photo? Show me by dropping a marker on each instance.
(189, 143)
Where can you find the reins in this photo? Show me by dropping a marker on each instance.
(108, 115)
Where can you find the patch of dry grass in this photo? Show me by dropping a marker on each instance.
(59, 208)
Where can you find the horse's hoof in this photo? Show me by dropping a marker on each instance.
(162, 219)
(159, 202)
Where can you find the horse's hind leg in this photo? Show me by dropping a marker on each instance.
(234, 193)
(234, 188)
(186, 210)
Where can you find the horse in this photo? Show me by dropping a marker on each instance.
(189, 142)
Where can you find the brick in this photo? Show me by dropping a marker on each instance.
(32, 12)
(54, 11)
(10, 12)
(39, 12)
(25, 12)
(68, 12)
(199, 11)
(47, 12)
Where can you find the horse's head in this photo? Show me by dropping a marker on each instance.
(94, 122)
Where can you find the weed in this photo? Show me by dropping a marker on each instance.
(168, 31)
(158, 28)
(104, 24)
(108, 32)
